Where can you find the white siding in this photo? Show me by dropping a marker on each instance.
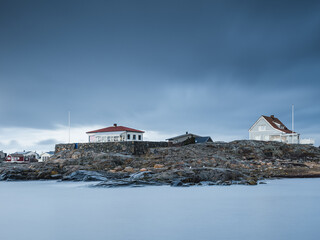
(115, 136)
(263, 131)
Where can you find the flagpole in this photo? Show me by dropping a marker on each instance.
(69, 122)
(292, 122)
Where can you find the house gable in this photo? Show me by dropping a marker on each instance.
(260, 123)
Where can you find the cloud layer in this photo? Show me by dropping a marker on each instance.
(211, 67)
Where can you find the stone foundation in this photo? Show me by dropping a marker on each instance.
(132, 148)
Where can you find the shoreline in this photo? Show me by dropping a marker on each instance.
(239, 162)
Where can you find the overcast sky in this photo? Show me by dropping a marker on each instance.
(166, 67)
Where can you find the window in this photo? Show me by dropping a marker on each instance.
(262, 128)
(139, 137)
(257, 137)
(128, 136)
(134, 137)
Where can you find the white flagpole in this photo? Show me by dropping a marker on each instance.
(292, 122)
(69, 121)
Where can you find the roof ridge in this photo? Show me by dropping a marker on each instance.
(116, 129)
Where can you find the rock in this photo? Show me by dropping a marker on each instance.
(252, 182)
(158, 166)
(218, 163)
(129, 169)
(140, 176)
(118, 168)
(176, 183)
(76, 155)
(83, 175)
(126, 183)
(56, 176)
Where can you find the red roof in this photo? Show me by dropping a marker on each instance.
(273, 120)
(116, 128)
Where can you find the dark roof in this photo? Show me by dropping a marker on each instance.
(116, 129)
(183, 135)
(274, 121)
(203, 139)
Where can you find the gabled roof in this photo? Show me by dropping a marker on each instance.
(16, 154)
(273, 121)
(203, 139)
(116, 128)
(183, 135)
(49, 153)
(19, 153)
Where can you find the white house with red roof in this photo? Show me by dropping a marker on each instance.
(115, 133)
(272, 129)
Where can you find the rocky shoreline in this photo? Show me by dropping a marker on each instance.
(237, 162)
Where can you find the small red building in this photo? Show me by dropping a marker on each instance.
(17, 157)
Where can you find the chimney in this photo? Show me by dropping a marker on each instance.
(187, 133)
(272, 116)
(115, 125)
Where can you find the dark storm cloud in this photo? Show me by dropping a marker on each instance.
(163, 65)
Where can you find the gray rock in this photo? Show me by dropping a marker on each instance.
(83, 175)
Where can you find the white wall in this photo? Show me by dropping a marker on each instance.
(307, 141)
(114, 136)
(264, 132)
(44, 157)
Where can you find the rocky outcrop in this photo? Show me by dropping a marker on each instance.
(238, 162)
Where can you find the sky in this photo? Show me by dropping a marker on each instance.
(165, 67)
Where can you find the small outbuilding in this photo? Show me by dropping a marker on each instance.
(188, 138)
(45, 156)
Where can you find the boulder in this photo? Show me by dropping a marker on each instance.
(83, 175)
(158, 166)
(129, 169)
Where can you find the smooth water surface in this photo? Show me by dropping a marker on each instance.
(282, 209)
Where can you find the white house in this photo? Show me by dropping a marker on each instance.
(45, 156)
(272, 129)
(115, 134)
(32, 155)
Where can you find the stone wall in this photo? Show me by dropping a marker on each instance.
(133, 147)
